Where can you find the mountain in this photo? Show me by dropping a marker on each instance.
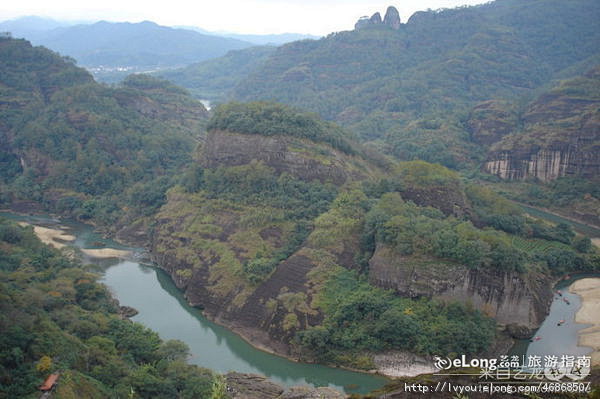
(558, 135)
(30, 26)
(86, 149)
(409, 87)
(112, 50)
(211, 79)
(304, 242)
(261, 40)
(280, 224)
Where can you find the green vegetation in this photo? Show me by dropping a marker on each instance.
(213, 78)
(411, 91)
(84, 149)
(414, 230)
(56, 317)
(360, 317)
(272, 119)
(266, 201)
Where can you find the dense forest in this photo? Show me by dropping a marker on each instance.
(257, 218)
(56, 317)
(334, 225)
(85, 149)
(462, 87)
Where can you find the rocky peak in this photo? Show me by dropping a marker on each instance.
(392, 18)
(375, 19)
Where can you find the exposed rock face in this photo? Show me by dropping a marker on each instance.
(510, 298)
(301, 159)
(490, 121)
(375, 19)
(545, 165)
(252, 386)
(392, 18)
(560, 135)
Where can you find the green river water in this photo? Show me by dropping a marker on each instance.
(555, 339)
(163, 308)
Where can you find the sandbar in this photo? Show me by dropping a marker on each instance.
(589, 290)
(54, 237)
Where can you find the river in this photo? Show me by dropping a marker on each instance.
(163, 308)
(559, 339)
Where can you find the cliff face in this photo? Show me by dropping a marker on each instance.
(206, 244)
(300, 158)
(510, 298)
(560, 135)
(545, 165)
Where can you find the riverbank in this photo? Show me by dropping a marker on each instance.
(105, 253)
(54, 237)
(589, 290)
(569, 218)
(153, 293)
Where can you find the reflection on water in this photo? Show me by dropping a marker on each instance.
(163, 308)
(560, 339)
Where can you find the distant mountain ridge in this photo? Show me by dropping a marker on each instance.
(112, 50)
(264, 39)
(409, 89)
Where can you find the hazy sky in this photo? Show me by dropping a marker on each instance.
(317, 17)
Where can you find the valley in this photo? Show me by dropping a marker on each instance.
(322, 212)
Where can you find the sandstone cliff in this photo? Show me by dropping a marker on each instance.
(560, 135)
(300, 158)
(391, 19)
(510, 298)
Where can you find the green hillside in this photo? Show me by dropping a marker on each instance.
(56, 317)
(212, 79)
(411, 89)
(86, 149)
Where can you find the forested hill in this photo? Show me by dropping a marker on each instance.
(144, 44)
(83, 148)
(212, 79)
(411, 88)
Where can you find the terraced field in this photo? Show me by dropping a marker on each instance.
(533, 245)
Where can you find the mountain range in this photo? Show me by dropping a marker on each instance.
(112, 50)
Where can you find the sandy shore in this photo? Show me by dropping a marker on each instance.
(589, 290)
(106, 253)
(58, 239)
(54, 237)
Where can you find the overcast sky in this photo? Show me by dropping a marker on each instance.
(318, 17)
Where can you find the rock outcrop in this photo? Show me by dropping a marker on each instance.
(544, 164)
(510, 298)
(490, 121)
(391, 19)
(300, 158)
(375, 19)
(252, 386)
(560, 135)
